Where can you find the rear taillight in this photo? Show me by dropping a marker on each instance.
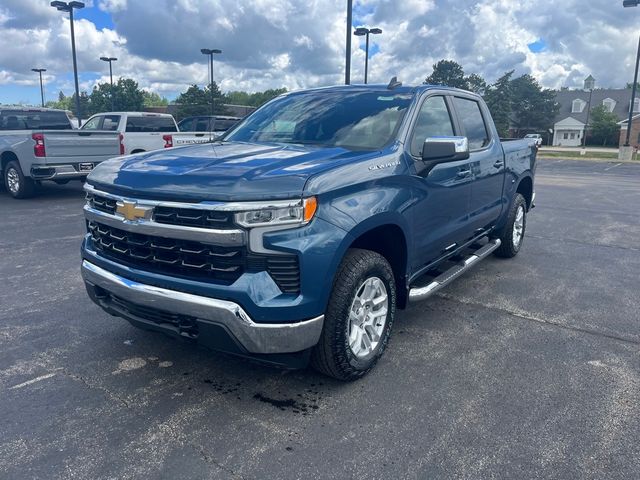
(121, 144)
(38, 148)
(168, 141)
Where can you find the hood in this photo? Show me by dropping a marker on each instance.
(219, 171)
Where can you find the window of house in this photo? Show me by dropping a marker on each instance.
(636, 105)
(577, 106)
(474, 127)
(433, 121)
(573, 136)
(565, 136)
(609, 104)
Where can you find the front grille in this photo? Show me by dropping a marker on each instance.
(104, 204)
(189, 217)
(192, 260)
(182, 217)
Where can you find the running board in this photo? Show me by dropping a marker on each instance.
(417, 294)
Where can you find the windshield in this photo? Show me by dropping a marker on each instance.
(358, 120)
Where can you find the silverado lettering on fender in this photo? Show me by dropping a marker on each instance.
(298, 234)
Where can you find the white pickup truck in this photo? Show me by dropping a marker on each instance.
(139, 131)
(200, 129)
(39, 144)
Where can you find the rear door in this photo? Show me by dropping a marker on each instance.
(440, 214)
(486, 161)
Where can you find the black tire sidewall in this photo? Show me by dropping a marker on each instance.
(370, 264)
(507, 249)
(27, 186)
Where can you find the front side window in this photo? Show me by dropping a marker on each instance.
(186, 125)
(93, 123)
(111, 122)
(433, 120)
(473, 123)
(351, 119)
(202, 125)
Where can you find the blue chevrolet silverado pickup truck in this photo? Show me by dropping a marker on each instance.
(297, 235)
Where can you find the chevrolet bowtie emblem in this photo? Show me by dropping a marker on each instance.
(131, 211)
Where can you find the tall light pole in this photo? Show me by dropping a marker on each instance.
(632, 3)
(347, 66)
(40, 70)
(110, 59)
(68, 8)
(362, 31)
(211, 52)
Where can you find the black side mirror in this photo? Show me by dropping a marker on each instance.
(445, 149)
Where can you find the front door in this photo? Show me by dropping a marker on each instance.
(440, 213)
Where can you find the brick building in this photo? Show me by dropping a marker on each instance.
(634, 140)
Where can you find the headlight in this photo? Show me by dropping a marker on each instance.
(299, 213)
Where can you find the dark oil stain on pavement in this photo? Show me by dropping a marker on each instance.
(295, 406)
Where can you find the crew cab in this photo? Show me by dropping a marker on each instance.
(38, 144)
(138, 131)
(298, 236)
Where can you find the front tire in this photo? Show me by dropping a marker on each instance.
(16, 183)
(359, 318)
(513, 234)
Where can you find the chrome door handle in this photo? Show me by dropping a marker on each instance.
(463, 173)
(499, 164)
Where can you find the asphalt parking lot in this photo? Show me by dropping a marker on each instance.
(524, 368)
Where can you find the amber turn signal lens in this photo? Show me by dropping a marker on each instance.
(310, 207)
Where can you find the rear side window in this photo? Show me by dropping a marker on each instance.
(202, 125)
(471, 118)
(150, 124)
(433, 121)
(21, 120)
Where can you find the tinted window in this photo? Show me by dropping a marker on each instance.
(433, 121)
(186, 125)
(224, 125)
(355, 119)
(93, 123)
(473, 123)
(21, 120)
(150, 124)
(111, 122)
(202, 125)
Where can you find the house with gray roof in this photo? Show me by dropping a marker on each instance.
(575, 108)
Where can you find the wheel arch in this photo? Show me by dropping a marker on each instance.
(525, 188)
(390, 241)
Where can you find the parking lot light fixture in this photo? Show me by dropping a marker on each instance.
(68, 8)
(110, 60)
(361, 32)
(211, 52)
(39, 71)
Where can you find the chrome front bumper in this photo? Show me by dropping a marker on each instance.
(256, 338)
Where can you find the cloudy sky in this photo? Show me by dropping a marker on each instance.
(300, 43)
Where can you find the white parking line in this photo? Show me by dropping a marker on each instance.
(612, 166)
(32, 381)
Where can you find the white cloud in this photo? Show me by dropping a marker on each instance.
(274, 43)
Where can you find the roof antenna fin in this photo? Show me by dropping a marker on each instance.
(394, 83)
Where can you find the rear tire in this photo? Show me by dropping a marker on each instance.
(358, 321)
(512, 235)
(16, 183)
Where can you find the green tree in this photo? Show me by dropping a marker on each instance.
(127, 97)
(63, 102)
(197, 101)
(152, 99)
(533, 108)
(253, 99)
(476, 84)
(447, 73)
(499, 98)
(604, 126)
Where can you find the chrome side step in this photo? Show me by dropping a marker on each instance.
(417, 294)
